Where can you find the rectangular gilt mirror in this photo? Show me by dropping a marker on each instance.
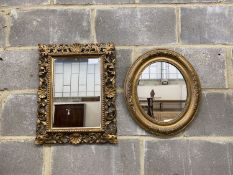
(76, 96)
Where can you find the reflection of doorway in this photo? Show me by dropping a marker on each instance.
(69, 115)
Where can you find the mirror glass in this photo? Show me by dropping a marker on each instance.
(76, 92)
(162, 91)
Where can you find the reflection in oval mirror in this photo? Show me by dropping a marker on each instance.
(77, 92)
(162, 92)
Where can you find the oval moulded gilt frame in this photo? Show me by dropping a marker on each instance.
(193, 91)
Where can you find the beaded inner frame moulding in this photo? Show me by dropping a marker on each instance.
(106, 133)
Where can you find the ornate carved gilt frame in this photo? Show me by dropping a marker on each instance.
(108, 130)
(193, 92)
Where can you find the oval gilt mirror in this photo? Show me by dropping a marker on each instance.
(162, 91)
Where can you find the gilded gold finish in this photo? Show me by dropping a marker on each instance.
(108, 130)
(193, 91)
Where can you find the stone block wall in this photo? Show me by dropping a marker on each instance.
(201, 30)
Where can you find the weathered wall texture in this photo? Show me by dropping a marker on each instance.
(202, 30)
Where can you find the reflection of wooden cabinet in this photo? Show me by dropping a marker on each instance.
(69, 115)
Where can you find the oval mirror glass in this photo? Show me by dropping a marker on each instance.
(162, 92)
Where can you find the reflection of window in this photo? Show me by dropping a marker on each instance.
(77, 77)
(161, 70)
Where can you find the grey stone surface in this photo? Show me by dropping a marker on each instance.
(121, 159)
(205, 147)
(22, 2)
(20, 158)
(123, 62)
(94, 1)
(19, 69)
(136, 26)
(230, 156)
(208, 158)
(209, 64)
(232, 65)
(165, 157)
(18, 117)
(50, 26)
(2, 31)
(194, 157)
(207, 25)
(177, 1)
(214, 117)
(125, 124)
